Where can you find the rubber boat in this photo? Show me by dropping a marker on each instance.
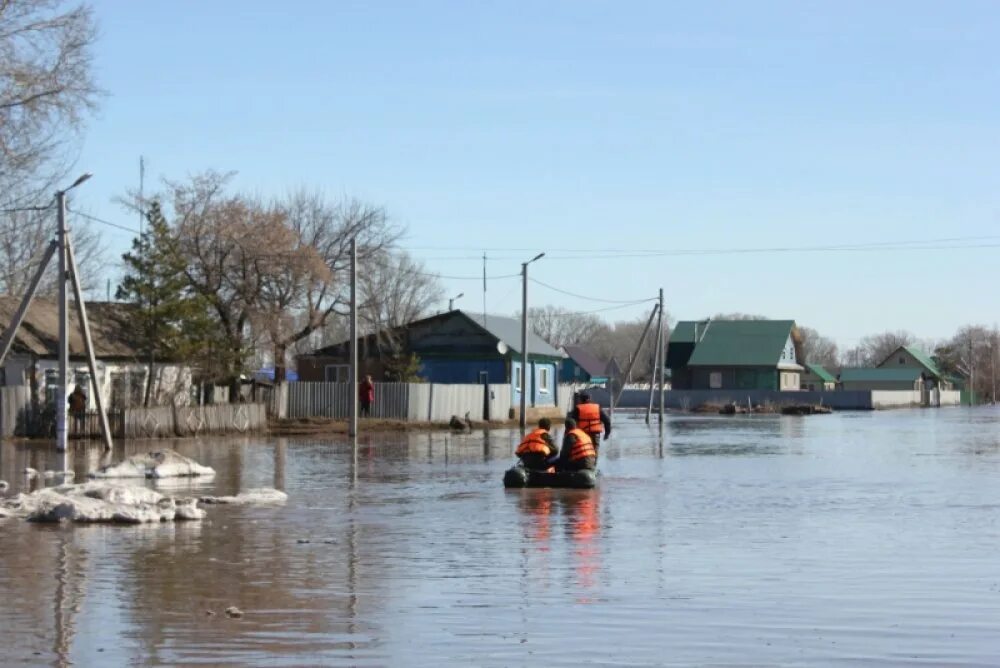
(518, 476)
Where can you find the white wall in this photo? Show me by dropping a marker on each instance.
(895, 398)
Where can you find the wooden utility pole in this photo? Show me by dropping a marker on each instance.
(632, 358)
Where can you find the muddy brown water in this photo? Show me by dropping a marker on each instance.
(850, 539)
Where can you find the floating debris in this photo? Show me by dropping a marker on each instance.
(162, 464)
(259, 496)
(49, 475)
(30, 473)
(4, 486)
(233, 612)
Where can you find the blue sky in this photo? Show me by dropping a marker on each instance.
(574, 125)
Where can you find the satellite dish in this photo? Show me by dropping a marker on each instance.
(501, 347)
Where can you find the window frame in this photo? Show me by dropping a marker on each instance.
(544, 380)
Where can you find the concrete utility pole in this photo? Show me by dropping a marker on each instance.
(353, 346)
(62, 395)
(663, 361)
(451, 302)
(524, 340)
(634, 357)
(656, 366)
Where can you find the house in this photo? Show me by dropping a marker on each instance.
(452, 347)
(121, 367)
(582, 367)
(816, 378)
(909, 357)
(733, 354)
(877, 378)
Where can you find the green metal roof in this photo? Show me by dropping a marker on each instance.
(737, 342)
(823, 374)
(872, 374)
(924, 359)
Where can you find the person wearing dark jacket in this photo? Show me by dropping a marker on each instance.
(578, 451)
(537, 450)
(591, 419)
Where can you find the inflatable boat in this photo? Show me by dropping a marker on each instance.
(518, 476)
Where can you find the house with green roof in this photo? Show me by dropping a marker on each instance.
(733, 355)
(879, 378)
(909, 357)
(816, 378)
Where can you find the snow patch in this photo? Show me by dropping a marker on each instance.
(258, 496)
(162, 464)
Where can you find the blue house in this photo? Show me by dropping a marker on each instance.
(452, 347)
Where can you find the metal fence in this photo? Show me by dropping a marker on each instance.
(332, 400)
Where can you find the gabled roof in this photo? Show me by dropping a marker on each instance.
(821, 372)
(924, 359)
(587, 361)
(508, 330)
(111, 326)
(502, 328)
(887, 374)
(734, 342)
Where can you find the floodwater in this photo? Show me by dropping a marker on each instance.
(852, 539)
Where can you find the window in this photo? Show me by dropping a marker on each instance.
(715, 380)
(902, 360)
(517, 379)
(543, 380)
(337, 373)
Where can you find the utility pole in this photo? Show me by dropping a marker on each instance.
(634, 357)
(523, 419)
(656, 368)
(353, 347)
(62, 395)
(663, 361)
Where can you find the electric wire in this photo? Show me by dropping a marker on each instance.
(589, 298)
(95, 219)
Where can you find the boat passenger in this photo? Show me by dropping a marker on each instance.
(591, 419)
(578, 451)
(537, 451)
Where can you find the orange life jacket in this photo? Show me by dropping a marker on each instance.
(534, 442)
(583, 448)
(589, 418)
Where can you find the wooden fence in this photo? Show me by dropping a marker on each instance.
(17, 418)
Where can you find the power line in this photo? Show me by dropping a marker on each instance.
(593, 299)
(942, 243)
(103, 222)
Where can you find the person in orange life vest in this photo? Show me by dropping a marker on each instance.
(591, 419)
(578, 451)
(538, 450)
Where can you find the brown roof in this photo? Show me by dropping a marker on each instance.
(110, 327)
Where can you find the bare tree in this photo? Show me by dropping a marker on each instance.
(46, 89)
(561, 327)
(874, 348)
(972, 353)
(24, 235)
(816, 348)
(395, 289)
(273, 273)
(619, 342)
